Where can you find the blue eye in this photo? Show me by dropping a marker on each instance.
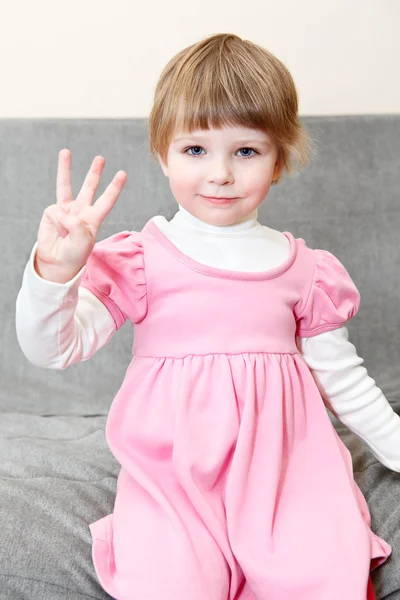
(193, 148)
(248, 155)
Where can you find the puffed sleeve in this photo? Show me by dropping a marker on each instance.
(332, 299)
(115, 274)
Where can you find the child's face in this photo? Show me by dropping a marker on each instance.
(234, 162)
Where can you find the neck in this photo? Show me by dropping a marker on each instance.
(187, 220)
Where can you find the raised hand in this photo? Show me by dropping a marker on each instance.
(68, 229)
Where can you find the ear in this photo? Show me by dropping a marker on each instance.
(163, 165)
(277, 169)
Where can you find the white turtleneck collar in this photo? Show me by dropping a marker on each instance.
(245, 246)
(184, 220)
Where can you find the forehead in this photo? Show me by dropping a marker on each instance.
(227, 133)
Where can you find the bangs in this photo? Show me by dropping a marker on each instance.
(212, 101)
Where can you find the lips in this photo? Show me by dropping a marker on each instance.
(217, 198)
(212, 198)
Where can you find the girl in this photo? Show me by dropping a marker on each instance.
(234, 484)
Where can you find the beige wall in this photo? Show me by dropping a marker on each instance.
(102, 58)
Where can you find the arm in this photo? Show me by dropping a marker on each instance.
(359, 403)
(59, 324)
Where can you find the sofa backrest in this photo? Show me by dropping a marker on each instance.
(346, 201)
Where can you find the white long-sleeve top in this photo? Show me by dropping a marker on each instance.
(59, 324)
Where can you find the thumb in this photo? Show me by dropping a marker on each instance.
(60, 222)
(79, 231)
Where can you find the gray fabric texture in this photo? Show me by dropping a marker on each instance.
(57, 473)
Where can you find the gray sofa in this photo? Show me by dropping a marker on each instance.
(57, 473)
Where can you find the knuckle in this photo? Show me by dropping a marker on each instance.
(50, 210)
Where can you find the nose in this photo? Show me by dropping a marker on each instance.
(220, 172)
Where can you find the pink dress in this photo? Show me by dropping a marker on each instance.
(234, 484)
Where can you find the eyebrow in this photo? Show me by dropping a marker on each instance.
(237, 142)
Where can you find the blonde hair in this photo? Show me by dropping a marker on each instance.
(223, 80)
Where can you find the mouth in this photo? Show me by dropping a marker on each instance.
(219, 200)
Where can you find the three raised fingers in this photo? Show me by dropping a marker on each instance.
(89, 188)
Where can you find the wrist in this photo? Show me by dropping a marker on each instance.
(53, 273)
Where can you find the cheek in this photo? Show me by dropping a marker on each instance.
(181, 183)
(256, 180)
(181, 189)
(182, 177)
